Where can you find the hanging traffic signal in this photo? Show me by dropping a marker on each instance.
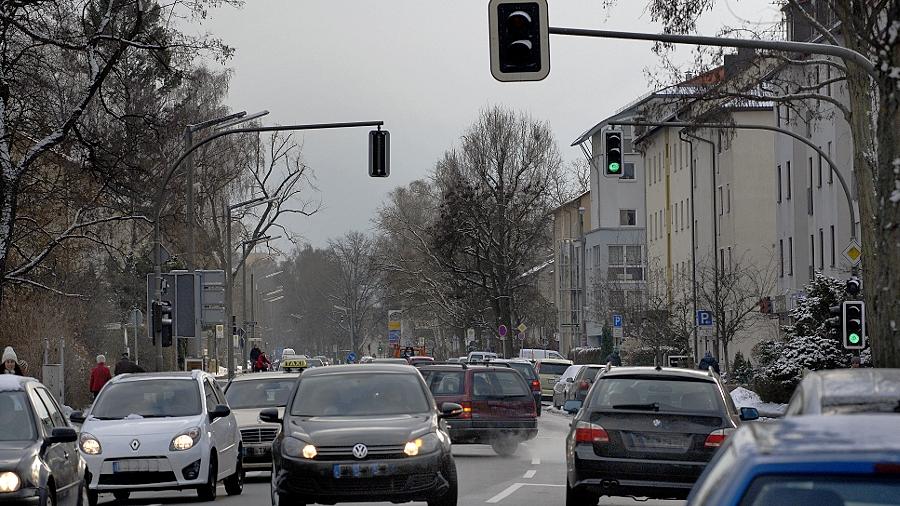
(613, 143)
(162, 322)
(520, 40)
(379, 153)
(854, 324)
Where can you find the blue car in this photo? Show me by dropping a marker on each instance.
(806, 460)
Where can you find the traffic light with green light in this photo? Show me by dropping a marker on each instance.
(613, 143)
(854, 324)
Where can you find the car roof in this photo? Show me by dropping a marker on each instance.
(264, 375)
(142, 376)
(660, 371)
(360, 368)
(15, 383)
(857, 383)
(554, 361)
(817, 434)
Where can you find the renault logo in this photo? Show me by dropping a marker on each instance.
(135, 444)
(360, 451)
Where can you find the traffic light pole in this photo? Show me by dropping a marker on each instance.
(161, 194)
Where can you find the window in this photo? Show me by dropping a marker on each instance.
(727, 198)
(627, 217)
(832, 245)
(821, 249)
(52, 408)
(778, 115)
(781, 257)
(628, 171)
(675, 216)
(721, 261)
(719, 142)
(830, 170)
(819, 184)
(828, 79)
(787, 114)
(790, 256)
(779, 183)
(211, 400)
(809, 122)
(812, 254)
(721, 202)
(809, 195)
(788, 180)
(682, 213)
(43, 415)
(694, 172)
(625, 263)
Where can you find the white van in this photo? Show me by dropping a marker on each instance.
(538, 354)
(481, 356)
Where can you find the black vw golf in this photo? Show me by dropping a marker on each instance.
(368, 432)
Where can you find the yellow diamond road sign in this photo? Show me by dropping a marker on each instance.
(522, 328)
(853, 253)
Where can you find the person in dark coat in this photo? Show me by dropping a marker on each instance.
(99, 376)
(708, 361)
(254, 356)
(614, 358)
(11, 362)
(126, 366)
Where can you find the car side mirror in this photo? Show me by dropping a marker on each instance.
(269, 415)
(572, 406)
(749, 414)
(450, 410)
(220, 411)
(59, 435)
(570, 380)
(77, 417)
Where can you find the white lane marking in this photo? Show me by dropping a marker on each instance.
(506, 493)
(529, 474)
(535, 461)
(510, 490)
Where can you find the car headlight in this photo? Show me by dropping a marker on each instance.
(186, 440)
(9, 482)
(89, 444)
(425, 444)
(293, 447)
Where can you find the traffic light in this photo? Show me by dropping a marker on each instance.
(520, 40)
(836, 322)
(854, 324)
(853, 286)
(162, 322)
(379, 153)
(614, 164)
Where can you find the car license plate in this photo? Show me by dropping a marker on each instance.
(361, 470)
(256, 451)
(135, 465)
(659, 441)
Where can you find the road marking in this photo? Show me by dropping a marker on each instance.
(510, 490)
(506, 493)
(535, 461)
(529, 474)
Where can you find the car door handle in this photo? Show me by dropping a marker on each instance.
(66, 455)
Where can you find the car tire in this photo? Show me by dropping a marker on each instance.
(279, 499)
(234, 484)
(122, 496)
(93, 497)
(451, 496)
(505, 447)
(577, 497)
(207, 492)
(83, 499)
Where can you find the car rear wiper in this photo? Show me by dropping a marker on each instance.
(106, 417)
(647, 407)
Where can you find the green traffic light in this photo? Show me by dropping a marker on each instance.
(854, 338)
(614, 167)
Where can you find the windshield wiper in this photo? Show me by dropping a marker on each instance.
(646, 407)
(106, 417)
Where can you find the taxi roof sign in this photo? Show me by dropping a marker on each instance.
(293, 363)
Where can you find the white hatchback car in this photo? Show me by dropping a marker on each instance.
(161, 431)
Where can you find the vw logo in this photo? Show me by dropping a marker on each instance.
(657, 422)
(135, 444)
(360, 451)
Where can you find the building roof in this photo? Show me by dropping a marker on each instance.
(571, 201)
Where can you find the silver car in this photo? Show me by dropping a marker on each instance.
(247, 394)
(561, 388)
(845, 391)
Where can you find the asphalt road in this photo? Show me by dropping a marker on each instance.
(535, 476)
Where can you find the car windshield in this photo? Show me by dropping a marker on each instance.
(822, 490)
(524, 369)
(360, 394)
(314, 362)
(498, 384)
(656, 394)
(261, 393)
(148, 399)
(551, 368)
(445, 382)
(15, 417)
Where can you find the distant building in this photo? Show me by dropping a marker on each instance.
(570, 222)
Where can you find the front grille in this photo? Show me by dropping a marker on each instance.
(346, 452)
(138, 478)
(378, 485)
(257, 435)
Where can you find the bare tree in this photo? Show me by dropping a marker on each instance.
(358, 283)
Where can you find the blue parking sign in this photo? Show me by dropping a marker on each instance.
(617, 320)
(704, 318)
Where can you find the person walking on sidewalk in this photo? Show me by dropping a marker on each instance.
(99, 375)
(11, 362)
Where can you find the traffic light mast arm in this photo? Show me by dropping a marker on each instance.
(772, 45)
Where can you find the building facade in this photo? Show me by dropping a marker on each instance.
(570, 222)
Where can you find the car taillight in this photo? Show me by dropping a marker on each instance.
(591, 433)
(716, 438)
(467, 409)
(584, 385)
(535, 385)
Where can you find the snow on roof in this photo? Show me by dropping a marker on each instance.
(11, 383)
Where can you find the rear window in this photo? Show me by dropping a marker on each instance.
(656, 394)
(822, 490)
(551, 368)
(445, 382)
(524, 369)
(499, 384)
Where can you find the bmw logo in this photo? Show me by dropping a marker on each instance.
(135, 444)
(657, 422)
(360, 451)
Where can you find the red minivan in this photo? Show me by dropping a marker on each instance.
(498, 407)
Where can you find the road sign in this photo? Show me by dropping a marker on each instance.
(502, 330)
(470, 335)
(617, 332)
(220, 331)
(394, 326)
(351, 357)
(521, 328)
(212, 297)
(617, 320)
(136, 318)
(853, 253)
(704, 318)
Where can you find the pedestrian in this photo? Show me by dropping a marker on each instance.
(262, 362)
(11, 362)
(708, 361)
(126, 366)
(99, 375)
(854, 362)
(614, 358)
(254, 356)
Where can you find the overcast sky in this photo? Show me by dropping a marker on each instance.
(422, 67)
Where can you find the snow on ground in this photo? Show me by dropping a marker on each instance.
(744, 398)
